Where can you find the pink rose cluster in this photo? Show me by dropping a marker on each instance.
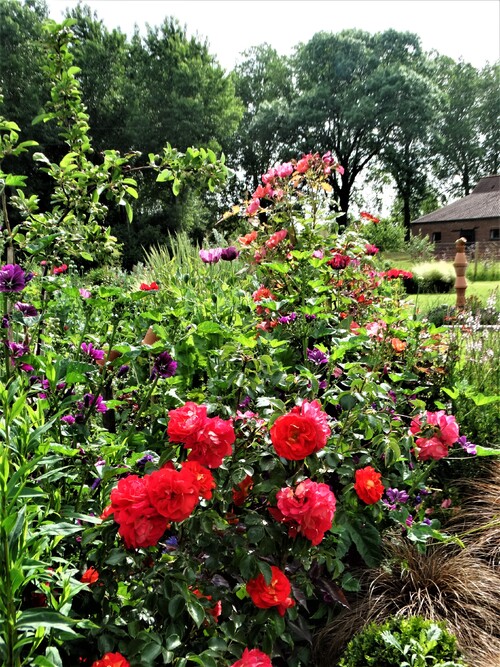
(308, 509)
(437, 432)
(210, 439)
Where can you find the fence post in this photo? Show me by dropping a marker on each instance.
(460, 265)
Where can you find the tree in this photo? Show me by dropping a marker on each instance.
(489, 113)
(350, 90)
(264, 83)
(458, 145)
(406, 155)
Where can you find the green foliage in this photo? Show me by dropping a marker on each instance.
(387, 235)
(401, 642)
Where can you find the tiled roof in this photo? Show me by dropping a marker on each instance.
(483, 202)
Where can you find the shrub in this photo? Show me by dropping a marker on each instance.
(434, 277)
(401, 642)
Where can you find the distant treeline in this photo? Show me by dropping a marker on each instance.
(389, 112)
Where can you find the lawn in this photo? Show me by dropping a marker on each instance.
(481, 290)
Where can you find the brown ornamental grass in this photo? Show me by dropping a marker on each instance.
(458, 585)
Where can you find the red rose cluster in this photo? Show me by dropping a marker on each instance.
(301, 432)
(210, 439)
(308, 509)
(144, 506)
(112, 660)
(274, 594)
(368, 485)
(438, 432)
(253, 658)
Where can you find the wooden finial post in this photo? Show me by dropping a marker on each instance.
(460, 265)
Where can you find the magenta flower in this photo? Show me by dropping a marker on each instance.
(91, 351)
(12, 278)
(68, 419)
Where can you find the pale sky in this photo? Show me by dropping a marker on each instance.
(467, 29)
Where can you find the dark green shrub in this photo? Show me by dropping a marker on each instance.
(403, 642)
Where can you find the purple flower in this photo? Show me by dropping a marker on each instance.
(393, 497)
(17, 350)
(84, 293)
(26, 309)
(96, 483)
(287, 319)
(245, 403)
(91, 400)
(318, 254)
(211, 256)
(122, 371)
(92, 351)
(317, 356)
(68, 419)
(469, 447)
(164, 366)
(12, 278)
(229, 254)
(5, 322)
(409, 520)
(145, 459)
(310, 318)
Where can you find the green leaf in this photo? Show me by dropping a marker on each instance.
(486, 451)
(196, 611)
(31, 619)
(367, 540)
(176, 186)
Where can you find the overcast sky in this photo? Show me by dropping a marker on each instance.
(467, 29)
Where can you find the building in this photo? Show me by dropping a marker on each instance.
(475, 217)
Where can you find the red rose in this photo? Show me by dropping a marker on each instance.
(174, 494)
(112, 660)
(368, 485)
(139, 530)
(274, 594)
(240, 493)
(213, 442)
(203, 476)
(185, 422)
(301, 432)
(253, 658)
(90, 576)
(140, 523)
(309, 508)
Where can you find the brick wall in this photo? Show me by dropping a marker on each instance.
(479, 230)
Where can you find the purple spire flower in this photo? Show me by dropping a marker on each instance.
(317, 356)
(12, 278)
(164, 366)
(92, 351)
(26, 309)
(229, 254)
(211, 256)
(469, 447)
(122, 371)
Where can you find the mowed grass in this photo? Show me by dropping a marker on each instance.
(479, 290)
